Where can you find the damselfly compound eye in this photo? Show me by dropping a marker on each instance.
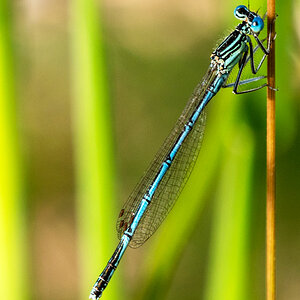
(257, 24)
(241, 12)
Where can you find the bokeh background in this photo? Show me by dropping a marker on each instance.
(88, 92)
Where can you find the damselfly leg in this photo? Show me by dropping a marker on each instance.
(237, 82)
(244, 61)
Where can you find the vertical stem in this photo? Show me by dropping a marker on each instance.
(270, 205)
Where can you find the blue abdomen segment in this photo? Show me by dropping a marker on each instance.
(156, 190)
(217, 84)
(147, 198)
(169, 172)
(110, 268)
(139, 214)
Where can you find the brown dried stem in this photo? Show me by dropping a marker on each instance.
(270, 205)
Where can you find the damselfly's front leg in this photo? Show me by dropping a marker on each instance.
(244, 60)
(260, 45)
(241, 82)
(242, 64)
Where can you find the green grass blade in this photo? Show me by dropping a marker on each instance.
(12, 225)
(93, 146)
(228, 267)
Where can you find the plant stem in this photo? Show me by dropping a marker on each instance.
(270, 205)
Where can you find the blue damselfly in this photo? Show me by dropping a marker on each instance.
(156, 193)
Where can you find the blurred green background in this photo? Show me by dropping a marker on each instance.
(88, 92)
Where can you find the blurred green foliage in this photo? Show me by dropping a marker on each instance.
(13, 244)
(93, 144)
(133, 66)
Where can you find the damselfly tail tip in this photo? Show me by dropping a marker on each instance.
(93, 296)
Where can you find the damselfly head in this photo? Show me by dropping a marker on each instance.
(253, 20)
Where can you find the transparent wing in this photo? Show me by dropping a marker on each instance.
(176, 176)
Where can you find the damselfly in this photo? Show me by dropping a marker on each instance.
(156, 193)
